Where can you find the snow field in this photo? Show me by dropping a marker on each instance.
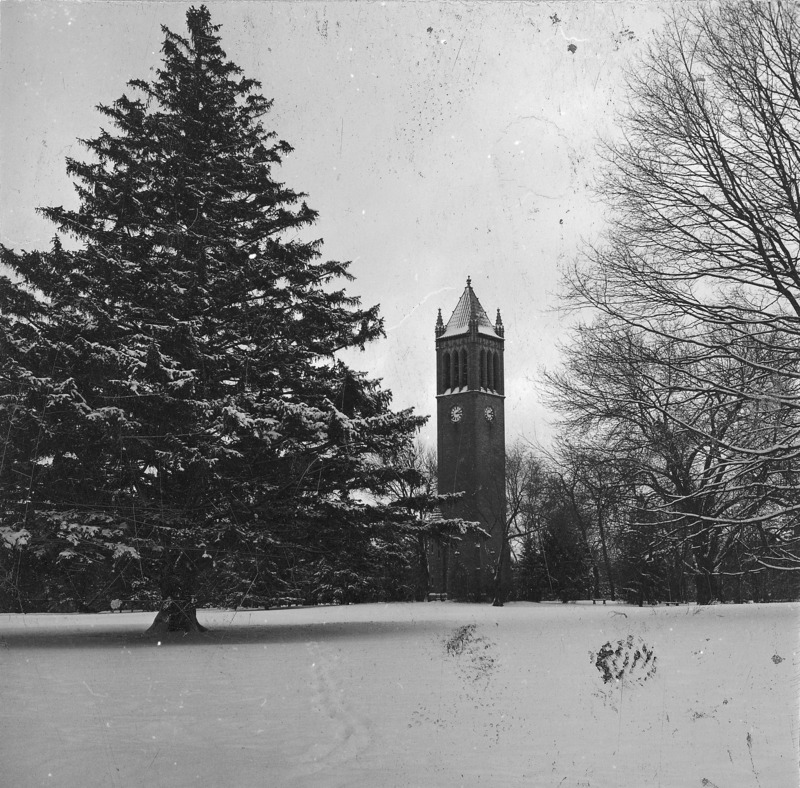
(427, 695)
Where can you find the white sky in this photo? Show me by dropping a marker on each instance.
(437, 141)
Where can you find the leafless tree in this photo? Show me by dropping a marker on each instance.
(596, 488)
(703, 189)
(512, 511)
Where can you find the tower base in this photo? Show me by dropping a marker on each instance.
(465, 572)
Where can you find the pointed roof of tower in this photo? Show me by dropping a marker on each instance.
(468, 309)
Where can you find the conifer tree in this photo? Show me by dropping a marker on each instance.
(171, 401)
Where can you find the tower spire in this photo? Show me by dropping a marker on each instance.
(468, 315)
(498, 325)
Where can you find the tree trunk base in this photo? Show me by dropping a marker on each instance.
(176, 616)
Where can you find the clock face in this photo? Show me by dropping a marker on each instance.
(488, 414)
(455, 414)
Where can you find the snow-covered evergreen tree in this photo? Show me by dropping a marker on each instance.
(171, 402)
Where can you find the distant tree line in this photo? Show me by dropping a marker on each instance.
(584, 530)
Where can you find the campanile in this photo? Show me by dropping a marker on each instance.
(470, 423)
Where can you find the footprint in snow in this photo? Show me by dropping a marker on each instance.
(350, 734)
(630, 659)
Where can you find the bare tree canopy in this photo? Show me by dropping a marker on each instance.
(703, 183)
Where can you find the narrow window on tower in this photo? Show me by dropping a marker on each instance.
(498, 381)
(463, 382)
(490, 370)
(446, 371)
(456, 370)
(483, 368)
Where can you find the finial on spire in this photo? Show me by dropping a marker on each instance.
(498, 325)
(469, 281)
(439, 323)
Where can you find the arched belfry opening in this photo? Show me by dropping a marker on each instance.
(471, 447)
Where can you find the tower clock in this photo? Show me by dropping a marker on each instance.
(470, 395)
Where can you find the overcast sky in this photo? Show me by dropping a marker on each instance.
(437, 141)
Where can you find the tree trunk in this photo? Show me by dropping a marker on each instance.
(424, 568)
(497, 578)
(178, 611)
(176, 615)
(606, 559)
(644, 588)
(705, 582)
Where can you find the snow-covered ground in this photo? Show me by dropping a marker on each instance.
(427, 695)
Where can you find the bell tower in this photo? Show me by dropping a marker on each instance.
(470, 424)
